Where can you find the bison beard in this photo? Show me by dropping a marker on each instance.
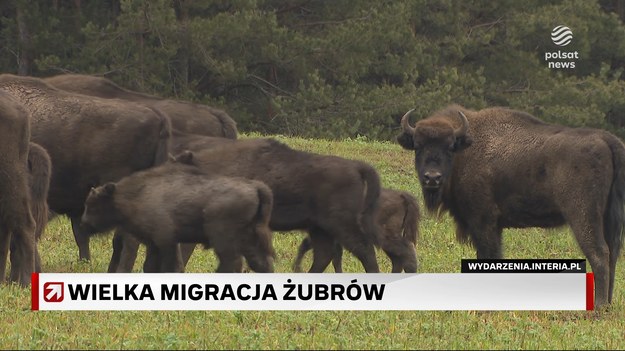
(433, 199)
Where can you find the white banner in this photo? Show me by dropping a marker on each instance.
(309, 291)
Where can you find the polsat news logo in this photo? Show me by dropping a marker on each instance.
(561, 36)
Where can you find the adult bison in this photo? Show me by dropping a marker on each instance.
(185, 116)
(90, 141)
(499, 168)
(332, 197)
(17, 226)
(398, 217)
(174, 203)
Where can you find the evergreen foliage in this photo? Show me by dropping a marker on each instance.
(334, 69)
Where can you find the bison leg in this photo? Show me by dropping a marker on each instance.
(118, 246)
(304, 247)
(23, 253)
(337, 259)
(229, 260)
(5, 238)
(82, 239)
(152, 259)
(323, 250)
(170, 258)
(129, 250)
(589, 235)
(352, 238)
(37, 259)
(487, 240)
(36, 254)
(396, 261)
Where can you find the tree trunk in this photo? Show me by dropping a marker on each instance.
(181, 83)
(25, 59)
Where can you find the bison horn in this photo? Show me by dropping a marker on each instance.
(465, 125)
(405, 123)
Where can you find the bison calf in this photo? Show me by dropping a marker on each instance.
(175, 203)
(398, 217)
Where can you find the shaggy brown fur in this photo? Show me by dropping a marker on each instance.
(17, 226)
(185, 116)
(176, 203)
(521, 172)
(90, 141)
(398, 216)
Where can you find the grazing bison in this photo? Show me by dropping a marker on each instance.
(176, 203)
(398, 217)
(498, 168)
(90, 141)
(331, 197)
(17, 226)
(185, 116)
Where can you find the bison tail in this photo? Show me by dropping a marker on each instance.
(228, 125)
(161, 154)
(263, 215)
(372, 195)
(614, 218)
(411, 218)
(40, 170)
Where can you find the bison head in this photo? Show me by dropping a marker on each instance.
(100, 214)
(435, 141)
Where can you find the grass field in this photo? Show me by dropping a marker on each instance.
(437, 253)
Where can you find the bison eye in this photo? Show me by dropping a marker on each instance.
(455, 145)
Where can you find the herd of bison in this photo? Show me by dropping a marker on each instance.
(171, 174)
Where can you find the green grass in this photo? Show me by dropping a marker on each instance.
(437, 253)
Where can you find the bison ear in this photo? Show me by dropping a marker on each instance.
(406, 141)
(108, 189)
(185, 157)
(462, 143)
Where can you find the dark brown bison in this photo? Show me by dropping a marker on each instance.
(498, 168)
(332, 197)
(398, 217)
(90, 141)
(176, 203)
(17, 226)
(185, 116)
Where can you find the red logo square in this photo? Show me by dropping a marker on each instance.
(53, 291)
